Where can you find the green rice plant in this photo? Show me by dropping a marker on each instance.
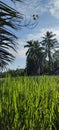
(29, 103)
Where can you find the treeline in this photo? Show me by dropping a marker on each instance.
(23, 72)
(13, 73)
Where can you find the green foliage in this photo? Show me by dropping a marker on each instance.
(29, 103)
(13, 73)
(9, 21)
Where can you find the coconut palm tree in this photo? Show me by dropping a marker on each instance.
(34, 55)
(49, 43)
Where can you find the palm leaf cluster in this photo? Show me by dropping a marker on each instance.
(9, 20)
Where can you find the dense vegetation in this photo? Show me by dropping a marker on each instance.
(29, 103)
(13, 73)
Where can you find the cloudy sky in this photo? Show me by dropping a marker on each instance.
(48, 13)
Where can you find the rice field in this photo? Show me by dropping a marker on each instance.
(29, 103)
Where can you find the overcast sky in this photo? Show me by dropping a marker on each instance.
(48, 12)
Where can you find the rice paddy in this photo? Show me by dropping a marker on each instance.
(29, 103)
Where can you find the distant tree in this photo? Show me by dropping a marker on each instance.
(56, 61)
(56, 55)
(49, 44)
(34, 62)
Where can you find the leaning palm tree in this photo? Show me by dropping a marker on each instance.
(49, 43)
(34, 57)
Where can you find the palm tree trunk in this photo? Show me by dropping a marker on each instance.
(49, 63)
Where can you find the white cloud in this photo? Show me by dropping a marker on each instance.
(54, 8)
(38, 36)
(21, 51)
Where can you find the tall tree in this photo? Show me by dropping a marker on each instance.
(35, 55)
(49, 43)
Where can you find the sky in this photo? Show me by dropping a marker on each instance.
(48, 13)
